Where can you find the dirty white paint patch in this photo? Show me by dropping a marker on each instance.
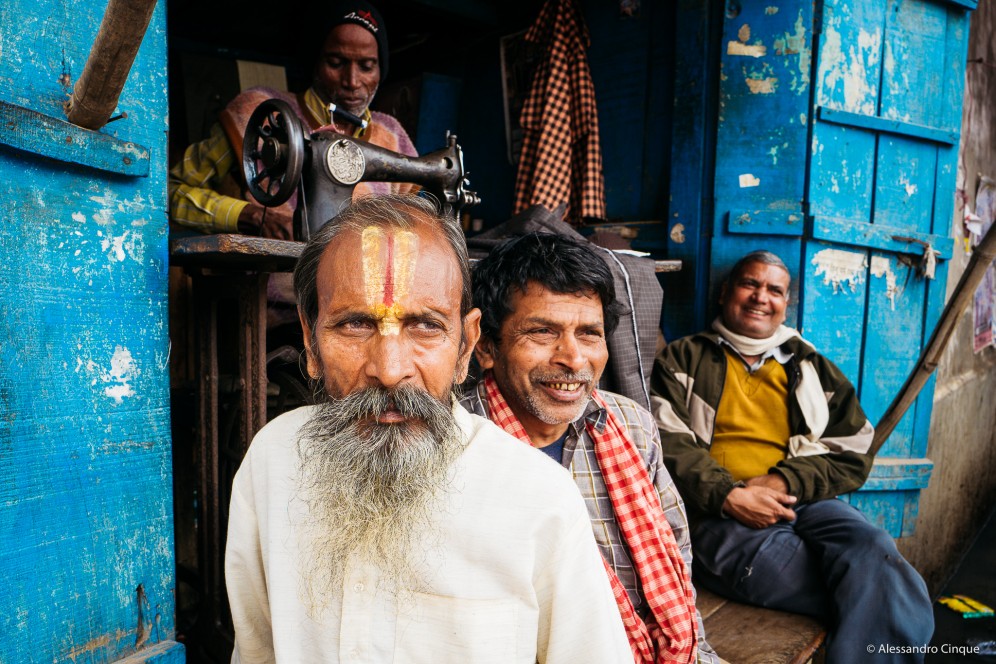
(798, 42)
(678, 233)
(90, 647)
(118, 378)
(748, 180)
(882, 267)
(889, 60)
(792, 44)
(741, 47)
(847, 72)
(908, 186)
(110, 201)
(749, 50)
(127, 245)
(840, 267)
(130, 148)
(123, 370)
(79, 217)
(770, 11)
(762, 86)
(898, 82)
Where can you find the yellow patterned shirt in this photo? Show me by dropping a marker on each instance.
(204, 191)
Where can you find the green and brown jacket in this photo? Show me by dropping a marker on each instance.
(687, 386)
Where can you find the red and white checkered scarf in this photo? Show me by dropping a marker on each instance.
(670, 628)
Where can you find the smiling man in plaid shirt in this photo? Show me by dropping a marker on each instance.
(547, 303)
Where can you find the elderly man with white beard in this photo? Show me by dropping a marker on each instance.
(387, 524)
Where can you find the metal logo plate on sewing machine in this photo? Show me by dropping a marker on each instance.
(346, 162)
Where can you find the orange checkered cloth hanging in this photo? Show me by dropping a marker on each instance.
(561, 159)
(668, 634)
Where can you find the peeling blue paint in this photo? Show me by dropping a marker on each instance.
(85, 473)
(884, 119)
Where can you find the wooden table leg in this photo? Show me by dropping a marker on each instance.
(252, 356)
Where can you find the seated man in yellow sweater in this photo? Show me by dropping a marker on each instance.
(761, 433)
(207, 191)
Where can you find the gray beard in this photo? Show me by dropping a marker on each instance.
(372, 490)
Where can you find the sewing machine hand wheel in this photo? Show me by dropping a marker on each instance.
(273, 152)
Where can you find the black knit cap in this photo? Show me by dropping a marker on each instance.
(366, 16)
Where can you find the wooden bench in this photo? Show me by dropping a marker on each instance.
(743, 634)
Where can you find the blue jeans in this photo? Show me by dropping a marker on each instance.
(829, 563)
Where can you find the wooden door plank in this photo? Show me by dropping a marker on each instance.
(833, 315)
(893, 339)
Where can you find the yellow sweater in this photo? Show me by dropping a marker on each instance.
(752, 423)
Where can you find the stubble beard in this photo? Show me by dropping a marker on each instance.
(535, 404)
(327, 95)
(372, 491)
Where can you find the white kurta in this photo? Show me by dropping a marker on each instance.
(517, 577)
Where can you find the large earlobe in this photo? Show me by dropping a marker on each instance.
(312, 362)
(485, 354)
(471, 333)
(722, 293)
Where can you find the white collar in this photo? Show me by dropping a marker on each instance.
(747, 346)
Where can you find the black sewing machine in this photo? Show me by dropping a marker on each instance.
(276, 153)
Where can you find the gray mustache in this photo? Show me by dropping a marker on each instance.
(411, 402)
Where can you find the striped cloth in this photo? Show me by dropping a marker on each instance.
(668, 635)
(561, 159)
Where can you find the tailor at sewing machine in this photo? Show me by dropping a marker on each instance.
(323, 168)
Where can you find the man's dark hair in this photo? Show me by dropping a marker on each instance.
(765, 257)
(556, 262)
(393, 211)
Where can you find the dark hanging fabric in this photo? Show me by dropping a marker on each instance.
(561, 159)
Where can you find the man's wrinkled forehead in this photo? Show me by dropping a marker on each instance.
(754, 266)
(387, 265)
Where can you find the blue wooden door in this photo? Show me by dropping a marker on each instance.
(836, 148)
(86, 508)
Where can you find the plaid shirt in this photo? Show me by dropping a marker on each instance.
(561, 160)
(579, 458)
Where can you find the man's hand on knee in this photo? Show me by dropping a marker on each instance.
(771, 480)
(759, 506)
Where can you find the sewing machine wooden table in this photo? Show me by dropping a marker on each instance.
(223, 268)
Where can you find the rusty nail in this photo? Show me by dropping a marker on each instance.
(127, 160)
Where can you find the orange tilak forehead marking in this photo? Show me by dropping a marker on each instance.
(388, 273)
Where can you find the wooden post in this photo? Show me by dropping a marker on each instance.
(963, 293)
(96, 92)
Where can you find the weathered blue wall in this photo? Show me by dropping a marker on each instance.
(836, 133)
(86, 527)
